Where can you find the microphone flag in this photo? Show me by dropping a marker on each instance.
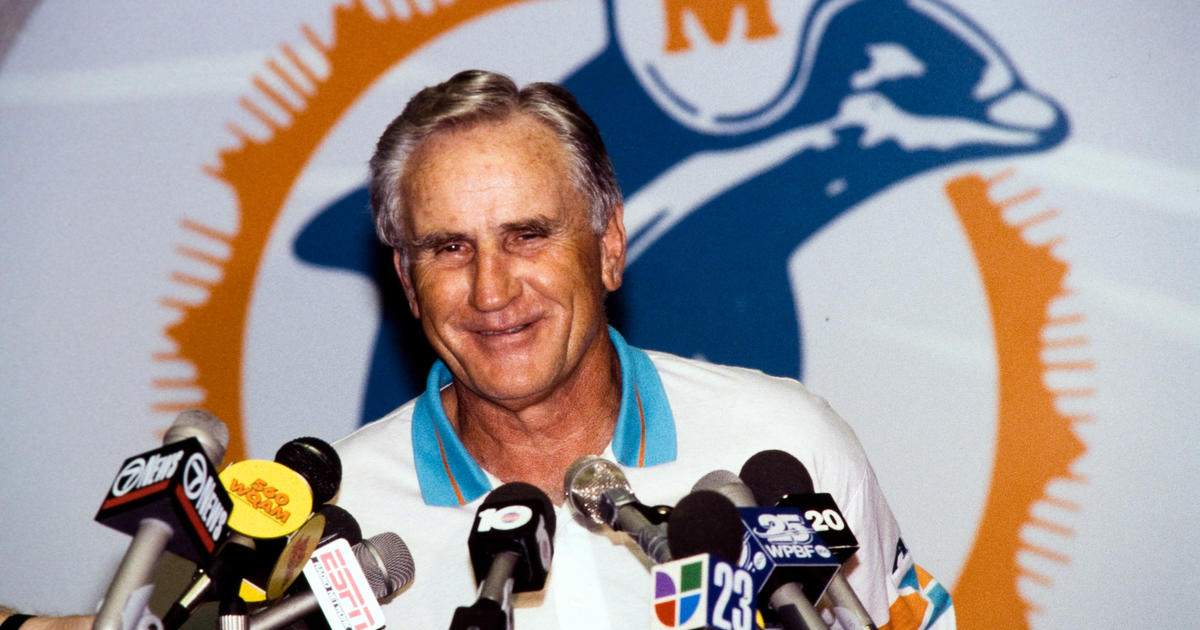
(781, 547)
(341, 588)
(822, 515)
(175, 483)
(703, 591)
(270, 499)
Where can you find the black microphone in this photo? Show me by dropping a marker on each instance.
(511, 545)
(232, 558)
(167, 499)
(705, 521)
(339, 524)
(704, 586)
(598, 489)
(385, 561)
(319, 464)
(783, 594)
(771, 474)
(777, 478)
(258, 535)
(316, 461)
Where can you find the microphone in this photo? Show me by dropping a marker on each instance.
(327, 524)
(315, 460)
(270, 501)
(704, 587)
(705, 521)
(729, 486)
(167, 499)
(339, 524)
(511, 545)
(777, 478)
(599, 490)
(780, 591)
(772, 474)
(382, 561)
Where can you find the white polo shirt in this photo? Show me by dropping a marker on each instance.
(680, 419)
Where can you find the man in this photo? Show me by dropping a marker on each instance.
(506, 220)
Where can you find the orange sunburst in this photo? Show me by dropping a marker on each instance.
(1035, 443)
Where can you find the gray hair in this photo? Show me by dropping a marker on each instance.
(476, 96)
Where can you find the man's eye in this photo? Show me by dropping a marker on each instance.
(449, 248)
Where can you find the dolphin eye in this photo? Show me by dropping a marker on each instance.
(889, 61)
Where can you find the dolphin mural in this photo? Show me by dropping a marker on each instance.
(738, 130)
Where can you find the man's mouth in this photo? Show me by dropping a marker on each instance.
(504, 331)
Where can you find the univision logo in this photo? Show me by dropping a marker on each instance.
(678, 597)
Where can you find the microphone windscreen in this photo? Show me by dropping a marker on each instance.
(386, 562)
(586, 479)
(339, 524)
(772, 474)
(212, 434)
(316, 461)
(705, 521)
(519, 491)
(729, 485)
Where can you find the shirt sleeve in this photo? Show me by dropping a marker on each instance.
(898, 593)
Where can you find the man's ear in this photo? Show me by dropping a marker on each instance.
(406, 282)
(612, 250)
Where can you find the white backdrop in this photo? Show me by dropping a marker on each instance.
(111, 114)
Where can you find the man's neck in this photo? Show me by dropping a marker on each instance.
(535, 443)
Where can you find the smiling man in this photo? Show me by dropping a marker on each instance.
(508, 278)
(506, 220)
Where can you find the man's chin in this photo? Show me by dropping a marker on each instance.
(507, 382)
(510, 396)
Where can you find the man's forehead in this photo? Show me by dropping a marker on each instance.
(520, 136)
(511, 172)
(439, 228)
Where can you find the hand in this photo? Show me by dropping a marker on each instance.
(69, 622)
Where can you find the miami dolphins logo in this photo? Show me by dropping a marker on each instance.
(739, 129)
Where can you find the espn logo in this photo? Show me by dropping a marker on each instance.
(342, 590)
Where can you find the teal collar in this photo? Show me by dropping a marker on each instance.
(645, 433)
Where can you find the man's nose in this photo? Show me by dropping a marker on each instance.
(495, 284)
